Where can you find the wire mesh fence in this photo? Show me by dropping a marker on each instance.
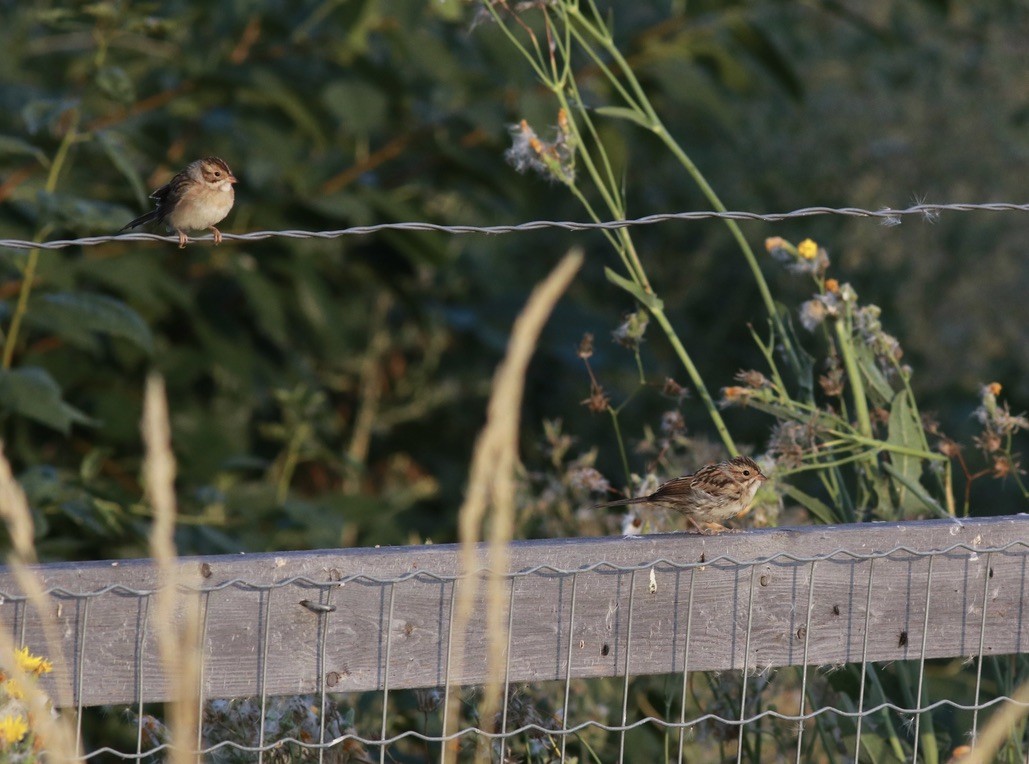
(871, 642)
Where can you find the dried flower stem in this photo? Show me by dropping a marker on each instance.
(56, 731)
(491, 485)
(178, 624)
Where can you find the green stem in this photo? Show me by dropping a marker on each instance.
(891, 732)
(29, 274)
(290, 462)
(605, 183)
(880, 445)
(621, 446)
(857, 384)
(642, 103)
(698, 381)
(829, 464)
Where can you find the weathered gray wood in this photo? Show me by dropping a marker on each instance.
(735, 606)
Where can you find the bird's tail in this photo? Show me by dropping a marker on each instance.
(147, 218)
(622, 502)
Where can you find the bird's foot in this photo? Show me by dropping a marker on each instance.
(217, 236)
(183, 239)
(710, 529)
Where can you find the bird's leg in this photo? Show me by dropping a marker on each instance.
(183, 239)
(695, 524)
(217, 235)
(716, 528)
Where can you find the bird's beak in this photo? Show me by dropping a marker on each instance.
(232, 178)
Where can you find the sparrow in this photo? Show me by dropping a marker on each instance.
(197, 198)
(713, 494)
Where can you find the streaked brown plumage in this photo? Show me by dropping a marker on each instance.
(712, 494)
(197, 198)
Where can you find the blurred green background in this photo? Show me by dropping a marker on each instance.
(328, 393)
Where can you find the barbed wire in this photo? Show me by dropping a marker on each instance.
(546, 568)
(889, 216)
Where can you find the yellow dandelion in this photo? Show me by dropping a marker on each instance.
(775, 242)
(13, 690)
(832, 285)
(13, 728)
(994, 388)
(807, 249)
(32, 664)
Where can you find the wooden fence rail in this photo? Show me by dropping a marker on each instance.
(303, 622)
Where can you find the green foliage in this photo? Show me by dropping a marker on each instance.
(336, 114)
(328, 392)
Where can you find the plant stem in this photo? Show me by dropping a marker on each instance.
(857, 384)
(642, 104)
(29, 274)
(698, 381)
(621, 446)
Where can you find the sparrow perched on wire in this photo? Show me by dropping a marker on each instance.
(712, 494)
(195, 199)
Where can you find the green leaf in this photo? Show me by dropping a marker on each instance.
(116, 153)
(762, 47)
(801, 362)
(819, 509)
(265, 302)
(11, 145)
(45, 113)
(80, 214)
(647, 299)
(630, 115)
(269, 88)
(916, 490)
(360, 107)
(31, 392)
(904, 429)
(75, 316)
(879, 388)
(116, 83)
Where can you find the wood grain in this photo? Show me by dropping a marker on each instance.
(750, 610)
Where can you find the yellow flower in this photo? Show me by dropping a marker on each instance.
(12, 729)
(807, 249)
(32, 664)
(13, 690)
(994, 388)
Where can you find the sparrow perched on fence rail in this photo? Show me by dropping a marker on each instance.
(711, 495)
(197, 198)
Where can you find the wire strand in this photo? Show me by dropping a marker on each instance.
(888, 216)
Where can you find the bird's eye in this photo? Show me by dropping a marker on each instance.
(746, 473)
(217, 173)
